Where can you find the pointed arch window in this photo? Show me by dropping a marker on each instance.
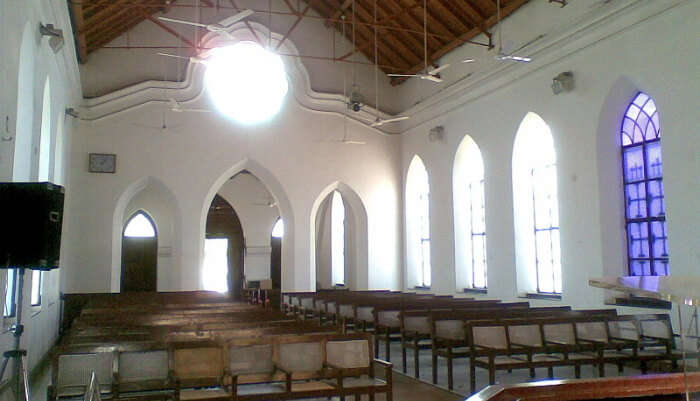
(470, 216)
(536, 208)
(642, 171)
(140, 226)
(278, 229)
(418, 223)
(337, 239)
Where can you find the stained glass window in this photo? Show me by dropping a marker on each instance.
(642, 171)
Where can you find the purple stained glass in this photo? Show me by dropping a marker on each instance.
(642, 167)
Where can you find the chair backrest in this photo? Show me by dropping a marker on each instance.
(420, 324)
(364, 313)
(389, 318)
(594, 330)
(624, 327)
(251, 359)
(301, 357)
(197, 361)
(525, 334)
(560, 332)
(346, 310)
(74, 371)
(656, 326)
(450, 329)
(489, 336)
(351, 354)
(139, 366)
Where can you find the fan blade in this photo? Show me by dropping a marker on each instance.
(235, 18)
(437, 70)
(429, 77)
(395, 119)
(195, 110)
(179, 21)
(354, 142)
(469, 60)
(402, 75)
(172, 55)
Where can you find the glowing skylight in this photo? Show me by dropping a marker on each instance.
(246, 82)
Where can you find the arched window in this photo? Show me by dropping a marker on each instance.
(45, 135)
(536, 208)
(642, 170)
(278, 229)
(418, 224)
(470, 216)
(140, 226)
(337, 239)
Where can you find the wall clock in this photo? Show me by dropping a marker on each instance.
(102, 163)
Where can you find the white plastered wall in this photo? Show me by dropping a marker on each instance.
(647, 50)
(21, 114)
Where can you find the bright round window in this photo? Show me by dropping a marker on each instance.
(246, 82)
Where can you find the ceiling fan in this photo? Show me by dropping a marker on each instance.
(177, 107)
(510, 56)
(431, 74)
(270, 203)
(378, 122)
(222, 28)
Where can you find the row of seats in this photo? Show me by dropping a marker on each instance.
(205, 347)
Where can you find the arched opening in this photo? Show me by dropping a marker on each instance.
(470, 216)
(276, 253)
(339, 238)
(45, 134)
(418, 265)
(222, 270)
(536, 208)
(331, 238)
(139, 254)
(22, 161)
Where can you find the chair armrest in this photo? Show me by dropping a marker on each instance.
(383, 363)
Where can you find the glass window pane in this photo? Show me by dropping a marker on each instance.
(545, 267)
(633, 112)
(627, 131)
(655, 198)
(659, 239)
(556, 261)
(639, 268)
(660, 267)
(36, 288)
(655, 120)
(425, 248)
(278, 229)
(654, 164)
(649, 108)
(638, 241)
(636, 198)
(641, 99)
(337, 239)
(634, 164)
(477, 207)
(9, 309)
(479, 260)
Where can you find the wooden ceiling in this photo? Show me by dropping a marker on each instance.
(398, 24)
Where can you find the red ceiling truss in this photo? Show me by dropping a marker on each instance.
(399, 25)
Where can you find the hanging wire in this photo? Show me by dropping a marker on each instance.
(269, 24)
(376, 64)
(500, 29)
(345, 91)
(425, 33)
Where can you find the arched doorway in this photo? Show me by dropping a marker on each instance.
(223, 249)
(276, 254)
(139, 254)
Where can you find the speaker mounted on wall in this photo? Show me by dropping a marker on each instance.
(32, 217)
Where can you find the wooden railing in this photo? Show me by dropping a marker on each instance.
(656, 387)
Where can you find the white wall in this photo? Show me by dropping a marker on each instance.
(248, 197)
(21, 114)
(649, 48)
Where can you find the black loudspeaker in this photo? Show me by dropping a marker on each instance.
(31, 217)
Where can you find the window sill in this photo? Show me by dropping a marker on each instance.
(475, 290)
(421, 288)
(541, 295)
(641, 302)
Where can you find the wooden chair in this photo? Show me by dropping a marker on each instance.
(73, 367)
(197, 371)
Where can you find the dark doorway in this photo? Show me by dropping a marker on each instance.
(139, 254)
(276, 254)
(223, 223)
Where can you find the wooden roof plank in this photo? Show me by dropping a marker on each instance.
(78, 20)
